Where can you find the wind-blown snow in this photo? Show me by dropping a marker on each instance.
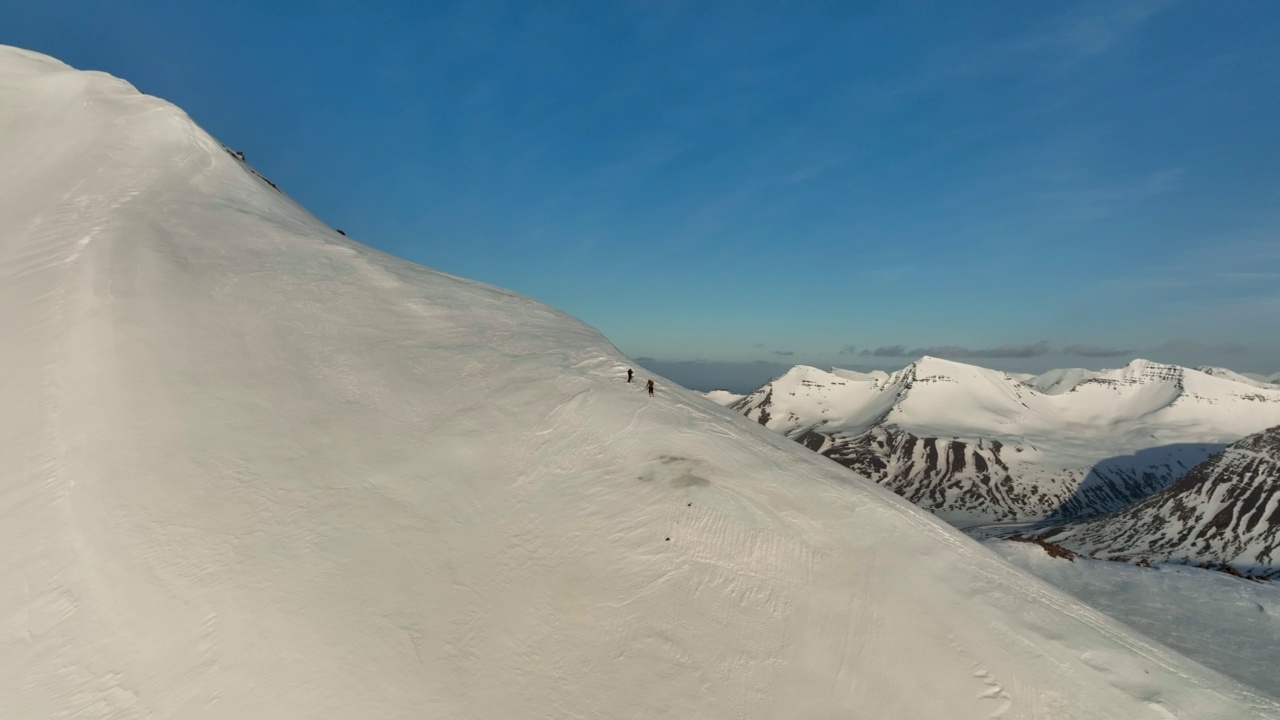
(723, 397)
(251, 469)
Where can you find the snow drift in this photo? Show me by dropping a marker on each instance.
(251, 469)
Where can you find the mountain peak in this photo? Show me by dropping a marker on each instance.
(252, 449)
(1151, 370)
(19, 63)
(1065, 443)
(932, 362)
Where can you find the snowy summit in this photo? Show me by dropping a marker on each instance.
(980, 446)
(252, 469)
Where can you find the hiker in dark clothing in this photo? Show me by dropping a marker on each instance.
(649, 387)
(630, 372)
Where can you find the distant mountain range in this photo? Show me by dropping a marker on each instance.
(979, 446)
(252, 468)
(1224, 513)
(1263, 381)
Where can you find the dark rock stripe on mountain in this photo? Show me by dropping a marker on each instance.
(979, 446)
(1224, 513)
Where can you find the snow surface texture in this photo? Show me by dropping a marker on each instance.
(251, 469)
(979, 446)
(1229, 624)
(1225, 513)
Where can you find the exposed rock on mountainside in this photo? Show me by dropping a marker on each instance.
(1224, 513)
(250, 468)
(980, 446)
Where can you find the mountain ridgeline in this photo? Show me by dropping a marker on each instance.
(251, 468)
(978, 446)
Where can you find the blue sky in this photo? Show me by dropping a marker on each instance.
(1021, 185)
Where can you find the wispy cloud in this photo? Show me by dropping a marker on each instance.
(1224, 280)
(956, 351)
(1085, 31)
(1094, 351)
(1249, 277)
(848, 350)
(886, 351)
(1114, 197)
(1191, 347)
(784, 353)
(1102, 25)
(1003, 351)
(1089, 29)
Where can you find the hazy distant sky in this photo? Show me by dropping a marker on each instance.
(1021, 184)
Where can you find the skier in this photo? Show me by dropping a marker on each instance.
(649, 387)
(630, 372)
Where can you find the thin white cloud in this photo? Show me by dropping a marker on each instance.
(1104, 25)
(956, 351)
(1112, 198)
(1084, 31)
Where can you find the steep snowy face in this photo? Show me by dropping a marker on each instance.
(979, 446)
(249, 468)
(1057, 382)
(806, 395)
(1225, 512)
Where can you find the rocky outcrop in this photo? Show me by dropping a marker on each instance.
(1224, 513)
(978, 446)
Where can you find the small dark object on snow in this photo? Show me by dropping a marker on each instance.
(341, 233)
(668, 539)
(689, 505)
(630, 372)
(649, 386)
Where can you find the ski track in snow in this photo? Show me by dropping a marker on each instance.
(258, 470)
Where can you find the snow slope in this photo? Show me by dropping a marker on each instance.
(1267, 382)
(252, 469)
(1229, 624)
(980, 446)
(1225, 512)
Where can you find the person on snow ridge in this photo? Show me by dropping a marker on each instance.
(630, 372)
(649, 386)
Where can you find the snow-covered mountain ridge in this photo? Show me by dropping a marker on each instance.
(252, 469)
(1224, 513)
(1269, 382)
(978, 446)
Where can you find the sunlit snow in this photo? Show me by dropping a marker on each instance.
(252, 469)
